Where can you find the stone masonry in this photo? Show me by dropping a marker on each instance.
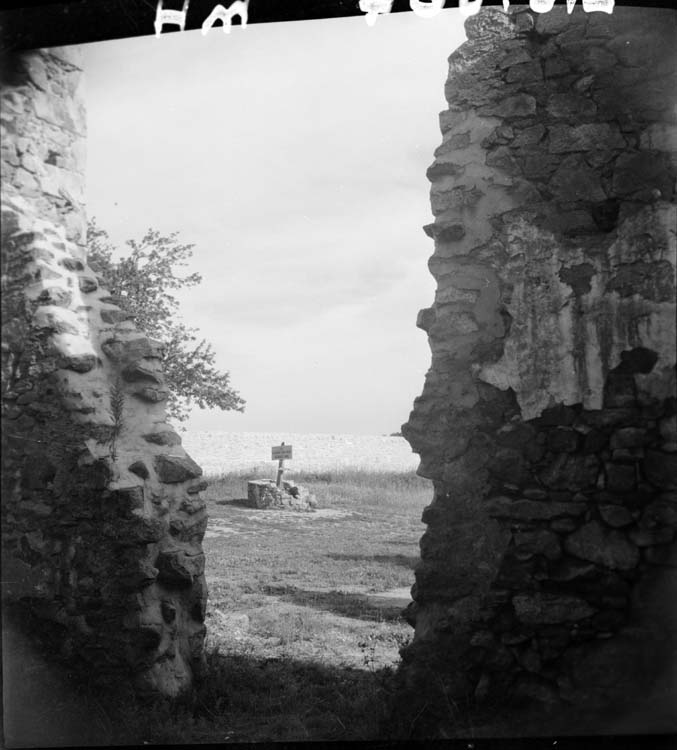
(546, 422)
(102, 520)
(547, 419)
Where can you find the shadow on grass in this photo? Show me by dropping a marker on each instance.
(401, 542)
(357, 606)
(406, 561)
(262, 700)
(45, 704)
(237, 698)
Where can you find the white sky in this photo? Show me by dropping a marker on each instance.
(293, 155)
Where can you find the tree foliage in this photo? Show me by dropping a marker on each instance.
(143, 283)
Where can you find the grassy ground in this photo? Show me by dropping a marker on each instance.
(365, 535)
(304, 625)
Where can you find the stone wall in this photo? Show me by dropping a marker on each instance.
(102, 519)
(547, 419)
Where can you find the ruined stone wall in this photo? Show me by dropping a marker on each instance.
(547, 419)
(102, 519)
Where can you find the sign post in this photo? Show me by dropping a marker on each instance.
(280, 453)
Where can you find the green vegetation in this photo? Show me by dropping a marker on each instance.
(142, 283)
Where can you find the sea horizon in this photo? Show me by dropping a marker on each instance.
(221, 451)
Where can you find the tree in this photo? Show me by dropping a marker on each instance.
(142, 283)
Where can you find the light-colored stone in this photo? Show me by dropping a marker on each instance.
(598, 545)
(565, 138)
(547, 609)
(264, 494)
(504, 507)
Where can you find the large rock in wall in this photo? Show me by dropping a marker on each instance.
(547, 419)
(102, 520)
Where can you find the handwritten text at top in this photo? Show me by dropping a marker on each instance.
(372, 8)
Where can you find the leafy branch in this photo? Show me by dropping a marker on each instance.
(143, 282)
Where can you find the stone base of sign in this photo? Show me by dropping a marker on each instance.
(264, 494)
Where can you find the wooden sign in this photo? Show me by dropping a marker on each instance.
(281, 452)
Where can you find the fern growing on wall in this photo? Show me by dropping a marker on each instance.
(117, 404)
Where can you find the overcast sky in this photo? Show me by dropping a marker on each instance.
(293, 155)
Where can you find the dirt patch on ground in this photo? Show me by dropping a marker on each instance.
(245, 520)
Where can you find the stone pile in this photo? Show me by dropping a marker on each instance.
(547, 419)
(264, 493)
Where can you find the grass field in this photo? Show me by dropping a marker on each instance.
(304, 625)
